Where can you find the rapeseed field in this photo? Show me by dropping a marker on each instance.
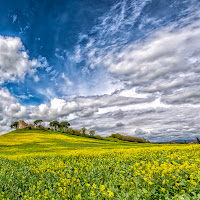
(49, 165)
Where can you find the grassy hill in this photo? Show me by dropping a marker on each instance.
(46, 142)
(36, 164)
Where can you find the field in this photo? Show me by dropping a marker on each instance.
(53, 165)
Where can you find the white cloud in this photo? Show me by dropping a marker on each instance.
(10, 110)
(5, 96)
(83, 106)
(166, 53)
(164, 60)
(58, 108)
(87, 111)
(14, 60)
(36, 78)
(189, 95)
(14, 18)
(15, 110)
(66, 79)
(155, 124)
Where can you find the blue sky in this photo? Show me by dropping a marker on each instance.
(113, 66)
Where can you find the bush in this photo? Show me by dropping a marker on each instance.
(76, 132)
(128, 138)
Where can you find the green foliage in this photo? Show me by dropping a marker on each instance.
(14, 125)
(76, 132)
(128, 138)
(55, 125)
(198, 141)
(83, 131)
(92, 132)
(64, 126)
(38, 121)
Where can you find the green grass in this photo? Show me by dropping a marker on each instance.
(43, 164)
(25, 142)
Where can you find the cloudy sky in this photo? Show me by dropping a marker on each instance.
(127, 66)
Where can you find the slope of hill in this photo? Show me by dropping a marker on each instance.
(36, 164)
(46, 142)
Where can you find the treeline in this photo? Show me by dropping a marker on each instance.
(112, 137)
(64, 127)
(129, 138)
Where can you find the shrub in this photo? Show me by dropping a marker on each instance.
(128, 138)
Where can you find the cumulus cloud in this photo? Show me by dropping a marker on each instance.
(15, 110)
(14, 60)
(57, 108)
(83, 106)
(10, 110)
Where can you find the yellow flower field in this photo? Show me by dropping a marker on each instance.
(98, 170)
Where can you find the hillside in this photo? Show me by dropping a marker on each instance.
(38, 164)
(46, 142)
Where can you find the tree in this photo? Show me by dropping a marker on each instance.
(38, 122)
(14, 125)
(198, 141)
(64, 125)
(92, 132)
(83, 130)
(55, 125)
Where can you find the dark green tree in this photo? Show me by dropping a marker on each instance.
(92, 132)
(64, 125)
(55, 125)
(198, 141)
(83, 131)
(14, 125)
(38, 122)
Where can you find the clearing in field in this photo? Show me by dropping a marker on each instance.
(40, 164)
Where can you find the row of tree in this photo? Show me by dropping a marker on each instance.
(64, 127)
(58, 126)
(55, 125)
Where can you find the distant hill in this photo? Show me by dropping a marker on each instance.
(177, 141)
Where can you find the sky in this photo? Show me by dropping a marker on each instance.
(117, 66)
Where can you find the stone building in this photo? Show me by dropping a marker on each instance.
(30, 126)
(22, 124)
(39, 127)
